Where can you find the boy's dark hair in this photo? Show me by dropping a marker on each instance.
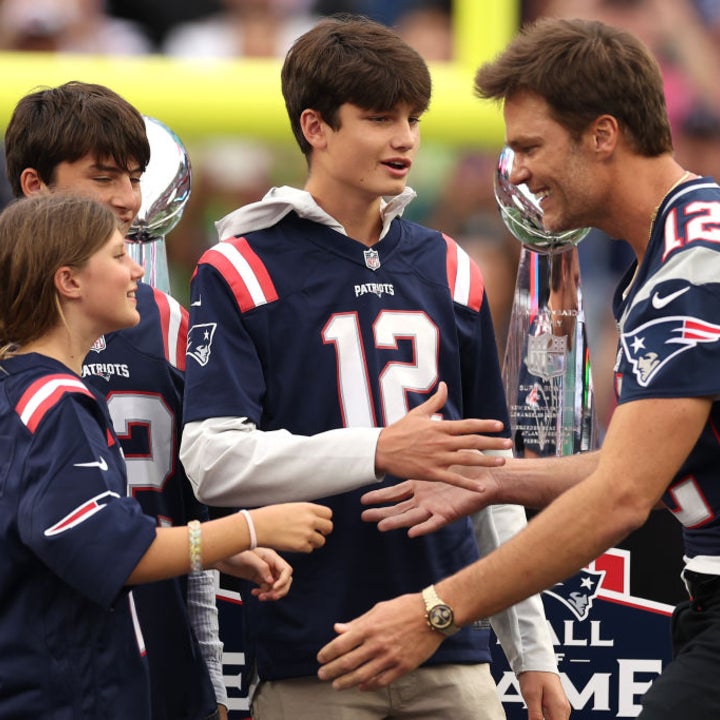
(66, 123)
(584, 69)
(351, 59)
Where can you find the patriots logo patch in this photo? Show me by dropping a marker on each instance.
(199, 342)
(654, 344)
(81, 513)
(578, 591)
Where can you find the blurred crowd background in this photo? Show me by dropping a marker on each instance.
(454, 185)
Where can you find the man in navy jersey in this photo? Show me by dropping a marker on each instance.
(86, 139)
(585, 115)
(328, 338)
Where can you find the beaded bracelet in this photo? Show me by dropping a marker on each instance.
(195, 539)
(251, 528)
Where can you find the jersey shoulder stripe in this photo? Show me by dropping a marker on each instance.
(174, 324)
(243, 271)
(465, 280)
(44, 394)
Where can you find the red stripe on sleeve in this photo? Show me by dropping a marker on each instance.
(471, 282)
(232, 277)
(164, 309)
(49, 397)
(258, 268)
(182, 339)
(451, 262)
(477, 287)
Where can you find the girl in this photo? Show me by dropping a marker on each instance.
(73, 541)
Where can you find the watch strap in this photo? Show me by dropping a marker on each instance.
(435, 606)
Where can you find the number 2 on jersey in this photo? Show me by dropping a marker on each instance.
(133, 413)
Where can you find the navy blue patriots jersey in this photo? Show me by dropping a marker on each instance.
(299, 327)
(670, 344)
(139, 370)
(70, 642)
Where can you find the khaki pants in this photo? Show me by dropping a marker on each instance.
(460, 692)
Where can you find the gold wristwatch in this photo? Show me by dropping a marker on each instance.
(439, 614)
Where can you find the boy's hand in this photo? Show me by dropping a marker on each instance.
(421, 446)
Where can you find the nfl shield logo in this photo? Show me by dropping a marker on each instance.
(547, 355)
(372, 259)
(99, 345)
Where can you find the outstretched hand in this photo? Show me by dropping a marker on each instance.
(423, 507)
(421, 446)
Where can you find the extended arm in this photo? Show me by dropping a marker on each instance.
(232, 463)
(635, 466)
(296, 527)
(424, 507)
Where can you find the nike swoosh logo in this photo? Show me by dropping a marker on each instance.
(197, 303)
(101, 463)
(660, 302)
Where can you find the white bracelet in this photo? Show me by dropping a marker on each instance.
(251, 528)
(195, 540)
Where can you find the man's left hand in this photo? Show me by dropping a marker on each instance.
(380, 646)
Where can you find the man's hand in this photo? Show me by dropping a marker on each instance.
(424, 507)
(422, 446)
(380, 646)
(544, 696)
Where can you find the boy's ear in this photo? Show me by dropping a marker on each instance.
(66, 282)
(313, 128)
(30, 182)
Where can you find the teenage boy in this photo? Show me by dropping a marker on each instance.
(327, 336)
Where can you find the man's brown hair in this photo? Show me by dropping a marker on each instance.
(584, 69)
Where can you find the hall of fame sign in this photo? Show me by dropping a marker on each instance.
(609, 645)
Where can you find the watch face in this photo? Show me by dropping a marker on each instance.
(441, 617)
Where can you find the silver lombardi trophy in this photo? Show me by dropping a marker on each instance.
(165, 186)
(546, 372)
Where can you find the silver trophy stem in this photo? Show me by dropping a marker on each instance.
(546, 371)
(153, 257)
